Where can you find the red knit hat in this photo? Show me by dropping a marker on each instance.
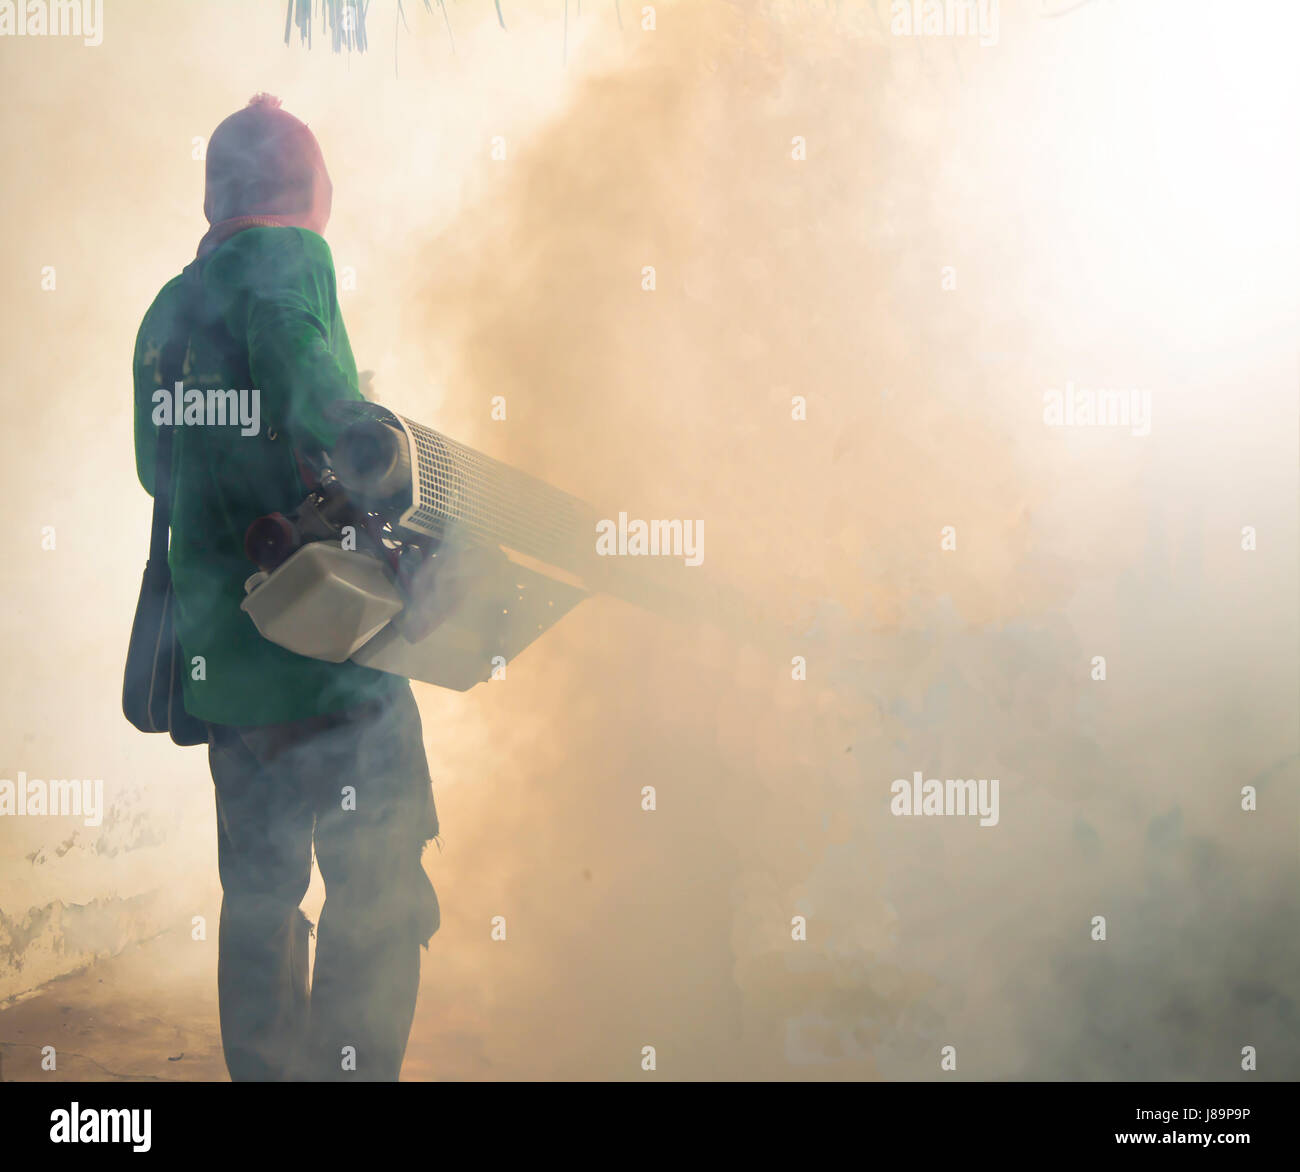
(264, 166)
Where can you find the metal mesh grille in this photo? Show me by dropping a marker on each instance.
(461, 489)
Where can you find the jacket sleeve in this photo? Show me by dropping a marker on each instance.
(286, 311)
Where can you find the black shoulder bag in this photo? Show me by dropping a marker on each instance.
(151, 686)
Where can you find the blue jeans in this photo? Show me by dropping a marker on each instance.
(357, 784)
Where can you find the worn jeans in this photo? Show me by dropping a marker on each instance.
(356, 782)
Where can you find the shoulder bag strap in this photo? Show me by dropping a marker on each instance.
(171, 366)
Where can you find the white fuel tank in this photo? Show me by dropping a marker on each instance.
(324, 602)
(329, 603)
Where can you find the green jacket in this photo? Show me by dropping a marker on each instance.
(271, 322)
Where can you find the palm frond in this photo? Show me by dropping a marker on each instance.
(344, 20)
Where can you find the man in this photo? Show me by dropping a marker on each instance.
(300, 750)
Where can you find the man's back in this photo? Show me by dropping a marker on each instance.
(269, 354)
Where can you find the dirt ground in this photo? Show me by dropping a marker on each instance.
(150, 1014)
